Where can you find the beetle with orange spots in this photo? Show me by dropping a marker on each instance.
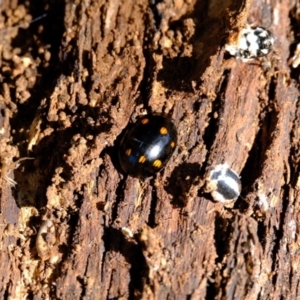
(147, 145)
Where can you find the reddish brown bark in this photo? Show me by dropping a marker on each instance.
(73, 225)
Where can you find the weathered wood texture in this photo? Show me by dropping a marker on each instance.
(73, 226)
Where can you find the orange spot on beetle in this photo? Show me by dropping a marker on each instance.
(157, 163)
(163, 130)
(142, 159)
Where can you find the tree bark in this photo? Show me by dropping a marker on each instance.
(74, 74)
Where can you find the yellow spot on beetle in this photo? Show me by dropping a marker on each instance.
(157, 163)
(145, 121)
(163, 130)
(128, 152)
(142, 159)
(172, 144)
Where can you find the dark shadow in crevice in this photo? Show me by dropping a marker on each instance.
(211, 290)
(262, 233)
(179, 69)
(154, 200)
(65, 249)
(156, 14)
(119, 198)
(183, 72)
(252, 167)
(32, 40)
(222, 237)
(223, 230)
(263, 140)
(120, 190)
(83, 287)
(115, 241)
(72, 221)
(145, 84)
(177, 73)
(35, 176)
(217, 108)
(87, 63)
(50, 153)
(180, 182)
(87, 121)
(112, 153)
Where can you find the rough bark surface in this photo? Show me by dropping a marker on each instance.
(74, 74)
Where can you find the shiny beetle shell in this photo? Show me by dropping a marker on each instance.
(147, 146)
(223, 183)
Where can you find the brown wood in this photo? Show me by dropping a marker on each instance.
(73, 225)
